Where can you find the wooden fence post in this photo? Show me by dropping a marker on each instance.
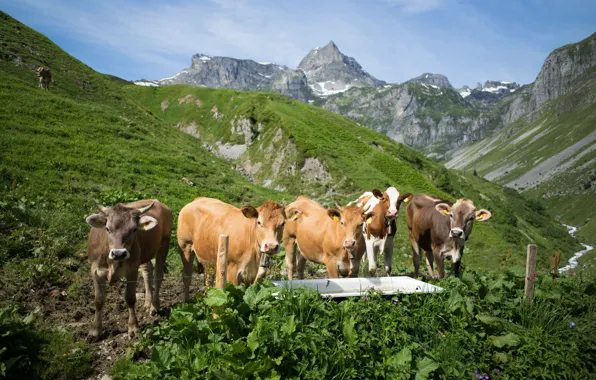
(530, 272)
(222, 262)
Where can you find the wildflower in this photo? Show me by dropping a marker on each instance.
(476, 371)
(366, 298)
(497, 371)
(486, 377)
(473, 299)
(572, 325)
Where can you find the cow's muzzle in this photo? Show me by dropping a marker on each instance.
(349, 243)
(457, 233)
(119, 254)
(270, 248)
(391, 213)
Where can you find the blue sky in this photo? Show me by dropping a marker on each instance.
(394, 40)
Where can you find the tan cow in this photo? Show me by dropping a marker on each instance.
(379, 230)
(123, 238)
(45, 77)
(252, 233)
(441, 228)
(331, 237)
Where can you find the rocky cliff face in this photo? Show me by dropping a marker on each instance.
(329, 71)
(432, 79)
(224, 72)
(324, 71)
(560, 68)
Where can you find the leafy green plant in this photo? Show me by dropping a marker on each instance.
(479, 323)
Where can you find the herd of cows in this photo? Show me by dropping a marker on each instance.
(128, 236)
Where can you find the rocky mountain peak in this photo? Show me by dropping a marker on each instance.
(329, 71)
(432, 79)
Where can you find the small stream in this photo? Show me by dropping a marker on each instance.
(573, 261)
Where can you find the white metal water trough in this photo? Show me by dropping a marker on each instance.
(354, 287)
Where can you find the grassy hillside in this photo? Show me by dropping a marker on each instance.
(354, 159)
(93, 138)
(552, 157)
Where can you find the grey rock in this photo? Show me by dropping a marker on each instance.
(434, 79)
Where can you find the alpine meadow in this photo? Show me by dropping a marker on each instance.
(326, 130)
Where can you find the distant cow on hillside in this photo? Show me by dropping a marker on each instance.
(45, 77)
(440, 228)
(123, 238)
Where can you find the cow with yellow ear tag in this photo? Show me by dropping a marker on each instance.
(441, 228)
(379, 230)
(332, 237)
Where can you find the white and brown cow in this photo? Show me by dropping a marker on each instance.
(380, 227)
(324, 236)
(440, 228)
(123, 238)
(253, 233)
(45, 77)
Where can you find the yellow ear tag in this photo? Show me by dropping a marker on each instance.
(294, 217)
(336, 218)
(369, 220)
(445, 212)
(378, 197)
(406, 200)
(480, 217)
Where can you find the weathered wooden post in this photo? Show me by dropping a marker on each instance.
(530, 272)
(222, 262)
(221, 269)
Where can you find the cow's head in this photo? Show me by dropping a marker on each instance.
(270, 219)
(391, 200)
(121, 223)
(351, 220)
(462, 215)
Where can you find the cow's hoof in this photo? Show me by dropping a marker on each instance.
(92, 337)
(133, 332)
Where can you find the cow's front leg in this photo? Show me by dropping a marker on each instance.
(430, 264)
(130, 296)
(301, 263)
(440, 264)
(388, 250)
(150, 304)
(372, 261)
(99, 284)
(332, 268)
(415, 255)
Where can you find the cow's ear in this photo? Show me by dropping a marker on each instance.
(482, 215)
(368, 217)
(294, 214)
(334, 214)
(96, 221)
(250, 212)
(377, 193)
(147, 222)
(406, 197)
(443, 208)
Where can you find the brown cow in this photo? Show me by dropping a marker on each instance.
(379, 230)
(123, 238)
(252, 233)
(331, 237)
(45, 77)
(441, 227)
